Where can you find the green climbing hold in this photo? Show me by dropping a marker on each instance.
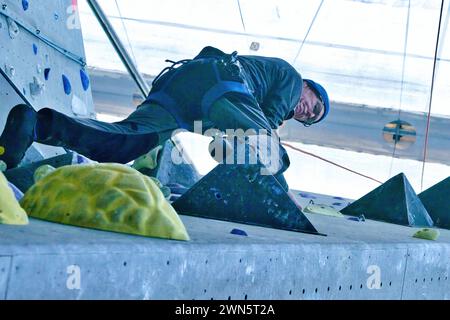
(427, 234)
(42, 171)
(3, 166)
(164, 189)
(148, 160)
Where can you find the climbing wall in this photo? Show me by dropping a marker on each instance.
(41, 51)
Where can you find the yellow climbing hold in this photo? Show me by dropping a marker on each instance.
(2, 150)
(427, 234)
(10, 210)
(106, 196)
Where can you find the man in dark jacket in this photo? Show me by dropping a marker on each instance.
(224, 91)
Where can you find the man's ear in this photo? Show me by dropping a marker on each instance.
(305, 85)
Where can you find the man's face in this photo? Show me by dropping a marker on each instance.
(310, 108)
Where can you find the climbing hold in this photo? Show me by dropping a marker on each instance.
(360, 218)
(3, 165)
(148, 160)
(427, 234)
(322, 209)
(67, 85)
(2, 151)
(105, 196)
(435, 200)
(10, 210)
(84, 79)
(46, 73)
(164, 189)
(79, 107)
(35, 49)
(25, 5)
(395, 201)
(306, 195)
(43, 171)
(36, 87)
(56, 16)
(13, 28)
(10, 71)
(239, 232)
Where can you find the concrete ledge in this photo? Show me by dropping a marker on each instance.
(43, 261)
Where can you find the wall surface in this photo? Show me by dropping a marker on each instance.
(39, 45)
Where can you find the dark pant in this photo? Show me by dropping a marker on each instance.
(147, 127)
(119, 142)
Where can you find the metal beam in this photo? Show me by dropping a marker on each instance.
(119, 47)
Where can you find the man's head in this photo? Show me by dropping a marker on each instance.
(314, 105)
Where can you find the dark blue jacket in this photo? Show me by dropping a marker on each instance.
(274, 83)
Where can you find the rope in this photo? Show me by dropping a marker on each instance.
(431, 95)
(126, 32)
(331, 162)
(307, 33)
(240, 13)
(403, 81)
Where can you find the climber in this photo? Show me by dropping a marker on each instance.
(224, 91)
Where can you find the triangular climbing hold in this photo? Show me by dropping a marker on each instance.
(239, 193)
(436, 200)
(395, 202)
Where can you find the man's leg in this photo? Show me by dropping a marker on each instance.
(17, 135)
(120, 142)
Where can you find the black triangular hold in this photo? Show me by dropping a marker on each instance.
(239, 193)
(23, 177)
(436, 200)
(395, 202)
(168, 172)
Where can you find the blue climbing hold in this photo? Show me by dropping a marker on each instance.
(35, 49)
(84, 79)
(46, 73)
(25, 5)
(306, 195)
(67, 85)
(239, 232)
